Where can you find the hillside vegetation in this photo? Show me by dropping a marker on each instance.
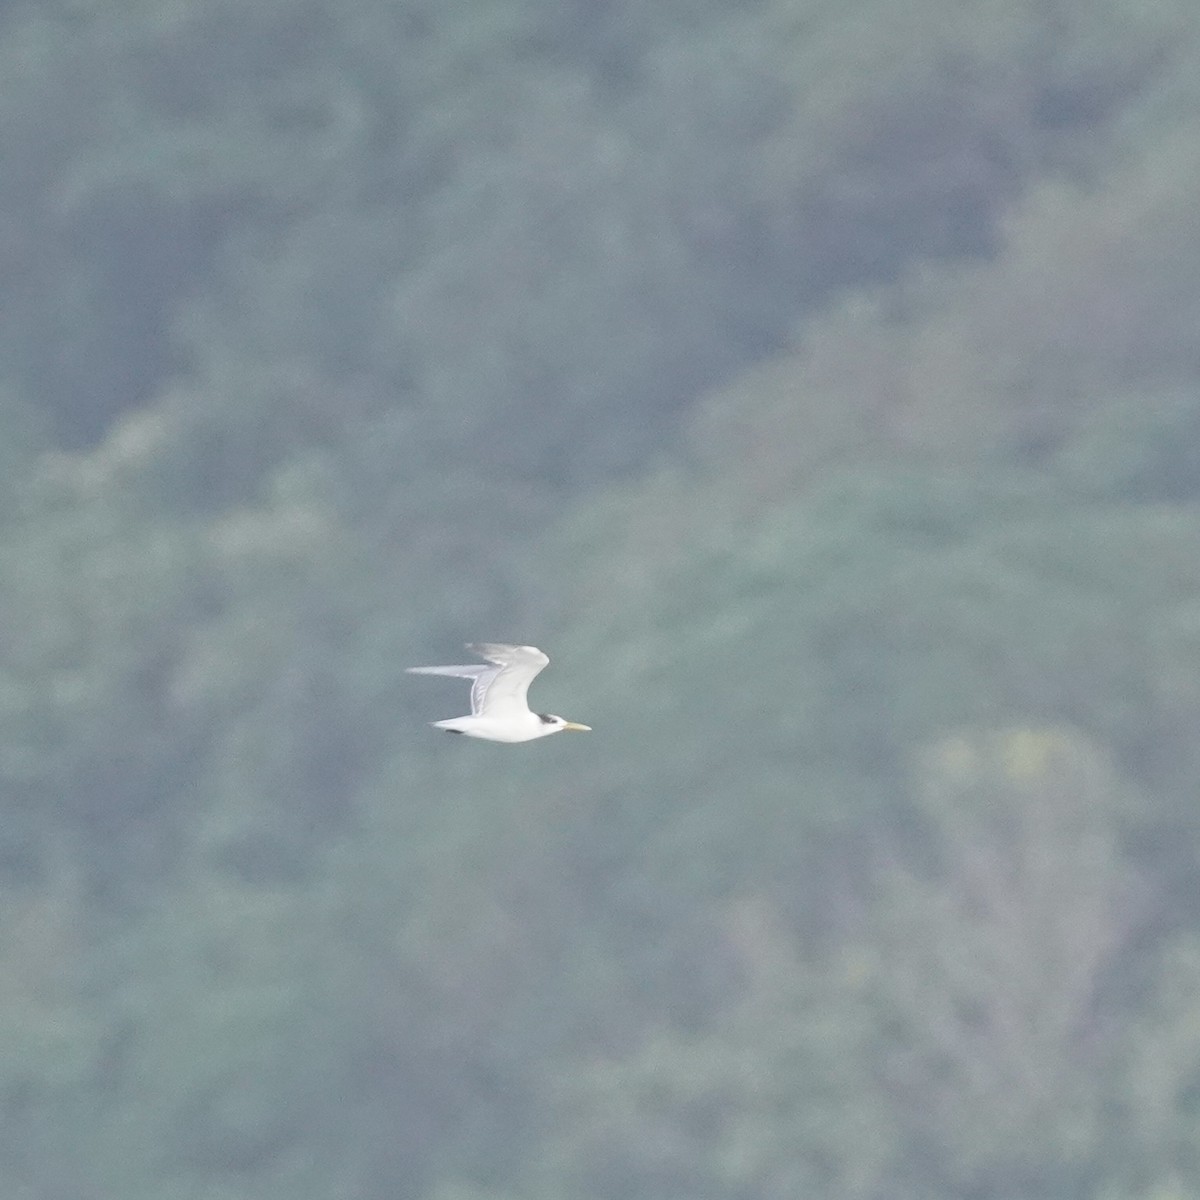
(818, 384)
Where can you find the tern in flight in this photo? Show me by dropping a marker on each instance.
(499, 709)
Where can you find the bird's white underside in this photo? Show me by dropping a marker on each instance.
(492, 729)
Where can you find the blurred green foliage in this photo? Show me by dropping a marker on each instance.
(817, 384)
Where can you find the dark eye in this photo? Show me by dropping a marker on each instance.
(546, 718)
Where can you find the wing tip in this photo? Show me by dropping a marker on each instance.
(486, 649)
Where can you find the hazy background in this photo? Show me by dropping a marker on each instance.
(818, 383)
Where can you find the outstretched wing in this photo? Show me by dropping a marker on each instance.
(479, 673)
(505, 685)
(501, 685)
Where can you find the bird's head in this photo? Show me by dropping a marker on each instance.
(556, 724)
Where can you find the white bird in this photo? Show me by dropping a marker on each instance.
(499, 709)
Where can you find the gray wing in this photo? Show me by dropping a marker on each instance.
(504, 687)
(479, 673)
(503, 683)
